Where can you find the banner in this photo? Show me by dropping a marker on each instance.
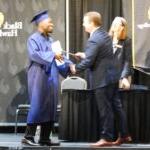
(141, 35)
(15, 28)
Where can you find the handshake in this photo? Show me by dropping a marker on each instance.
(57, 49)
(77, 56)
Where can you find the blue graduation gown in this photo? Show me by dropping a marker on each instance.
(43, 79)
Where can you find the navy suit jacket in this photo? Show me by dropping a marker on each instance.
(99, 60)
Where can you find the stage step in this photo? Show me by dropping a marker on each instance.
(13, 142)
(78, 146)
(72, 148)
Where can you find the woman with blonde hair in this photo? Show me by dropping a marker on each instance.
(122, 55)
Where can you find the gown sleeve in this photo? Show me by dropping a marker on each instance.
(37, 55)
(64, 68)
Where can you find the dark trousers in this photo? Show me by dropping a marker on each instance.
(109, 107)
(104, 99)
(120, 115)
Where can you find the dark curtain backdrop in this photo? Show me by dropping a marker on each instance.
(127, 13)
(108, 9)
(77, 36)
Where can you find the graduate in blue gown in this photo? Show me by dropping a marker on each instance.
(43, 80)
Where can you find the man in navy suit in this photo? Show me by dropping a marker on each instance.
(98, 59)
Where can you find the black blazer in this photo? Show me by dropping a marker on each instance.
(99, 60)
(123, 57)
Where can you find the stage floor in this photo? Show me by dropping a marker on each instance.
(13, 142)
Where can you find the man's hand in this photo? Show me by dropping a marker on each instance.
(80, 55)
(124, 83)
(72, 69)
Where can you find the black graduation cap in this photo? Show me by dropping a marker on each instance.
(40, 16)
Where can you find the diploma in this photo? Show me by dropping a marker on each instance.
(56, 48)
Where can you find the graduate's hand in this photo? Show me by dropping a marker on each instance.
(80, 55)
(73, 69)
(125, 84)
(59, 57)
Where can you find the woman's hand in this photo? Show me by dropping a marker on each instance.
(73, 69)
(124, 84)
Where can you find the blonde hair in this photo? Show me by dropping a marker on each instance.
(94, 17)
(123, 23)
